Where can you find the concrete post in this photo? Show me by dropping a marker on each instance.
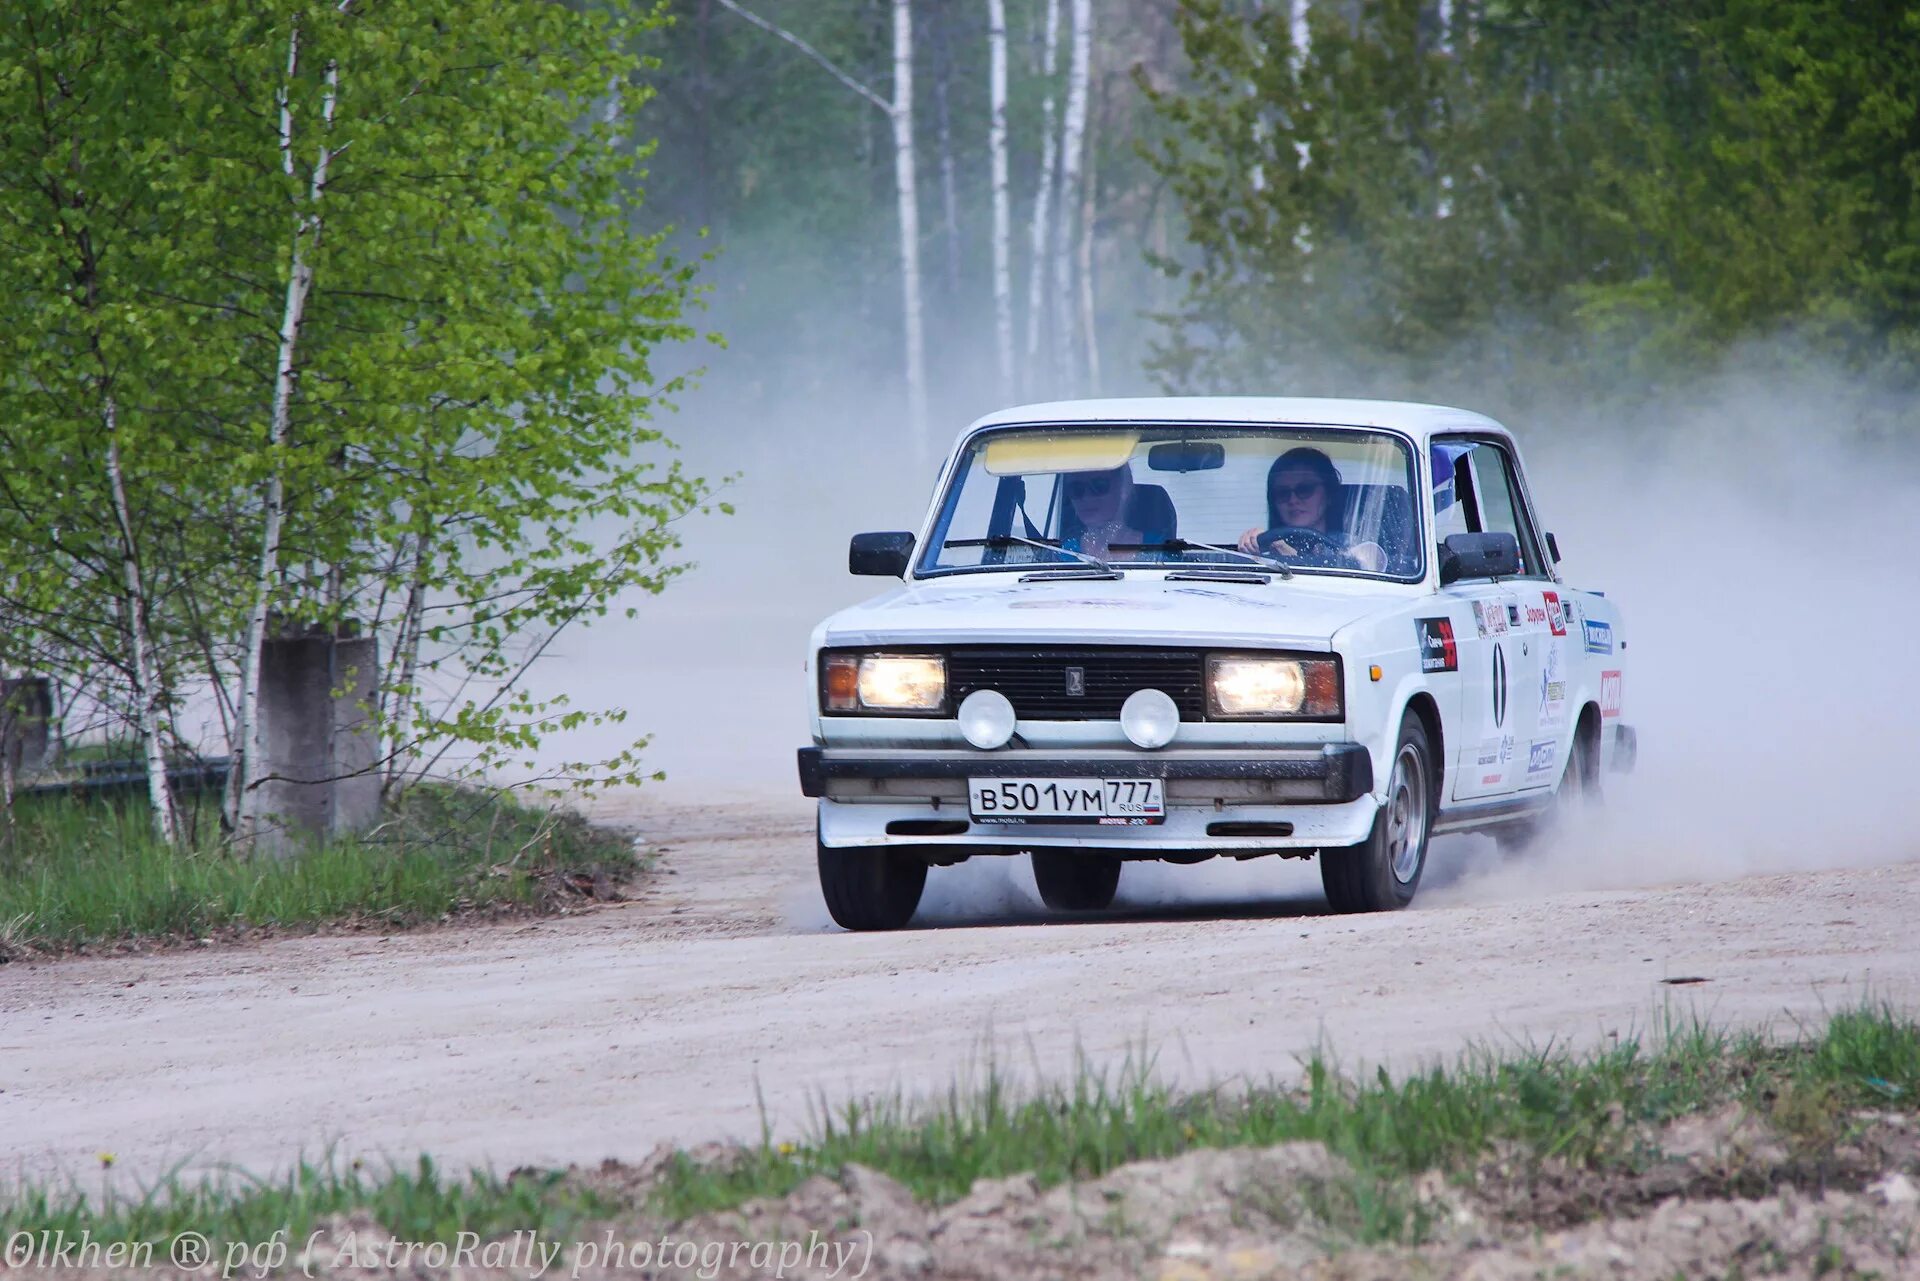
(318, 740)
(26, 714)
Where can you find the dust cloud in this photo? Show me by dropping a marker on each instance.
(1762, 548)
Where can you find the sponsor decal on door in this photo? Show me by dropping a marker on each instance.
(1556, 617)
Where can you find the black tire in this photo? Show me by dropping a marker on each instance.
(1579, 792)
(1382, 873)
(1070, 881)
(868, 888)
(1577, 798)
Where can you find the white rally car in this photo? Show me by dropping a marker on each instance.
(1183, 628)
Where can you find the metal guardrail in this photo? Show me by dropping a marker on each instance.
(97, 777)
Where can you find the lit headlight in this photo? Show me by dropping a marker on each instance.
(883, 683)
(1243, 686)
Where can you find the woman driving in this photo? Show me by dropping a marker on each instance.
(1304, 499)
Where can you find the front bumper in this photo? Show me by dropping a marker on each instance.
(1297, 798)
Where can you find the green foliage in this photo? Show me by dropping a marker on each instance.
(467, 467)
(1552, 187)
(79, 872)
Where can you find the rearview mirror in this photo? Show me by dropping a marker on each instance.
(1187, 455)
(881, 555)
(1478, 556)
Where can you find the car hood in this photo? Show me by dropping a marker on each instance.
(1143, 607)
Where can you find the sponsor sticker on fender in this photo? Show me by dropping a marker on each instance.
(1540, 756)
(1553, 687)
(1609, 695)
(1598, 636)
(1556, 617)
(1438, 653)
(1490, 617)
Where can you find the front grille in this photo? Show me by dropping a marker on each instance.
(1036, 681)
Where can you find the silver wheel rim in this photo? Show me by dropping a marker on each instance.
(1407, 814)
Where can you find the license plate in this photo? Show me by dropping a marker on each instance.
(1123, 802)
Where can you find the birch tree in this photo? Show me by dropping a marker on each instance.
(1042, 231)
(303, 246)
(97, 503)
(899, 113)
(1002, 218)
(1072, 155)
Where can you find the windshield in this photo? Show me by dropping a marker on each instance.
(1318, 500)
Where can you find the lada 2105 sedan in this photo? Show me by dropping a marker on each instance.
(1183, 628)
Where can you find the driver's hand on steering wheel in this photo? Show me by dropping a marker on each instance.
(1250, 544)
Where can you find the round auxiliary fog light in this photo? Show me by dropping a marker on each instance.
(1149, 718)
(986, 719)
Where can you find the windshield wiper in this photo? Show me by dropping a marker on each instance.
(1009, 540)
(1265, 563)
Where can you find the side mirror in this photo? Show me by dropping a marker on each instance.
(1553, 548)
(882, 555)
(1478, 556)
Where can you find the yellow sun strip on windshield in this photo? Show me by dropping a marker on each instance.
(1079, 451)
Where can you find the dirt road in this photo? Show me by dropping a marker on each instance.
(669, 1017)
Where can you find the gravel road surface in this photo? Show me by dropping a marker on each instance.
(722, 990)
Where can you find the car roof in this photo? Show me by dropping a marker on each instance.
(1417, 420)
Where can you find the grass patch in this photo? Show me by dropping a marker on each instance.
(89, 871)
(421, 1204)
(1589, 1109)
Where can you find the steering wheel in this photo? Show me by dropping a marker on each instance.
(1308, 544)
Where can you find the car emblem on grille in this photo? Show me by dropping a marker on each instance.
(1076, 682)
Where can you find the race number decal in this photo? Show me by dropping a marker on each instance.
(1438, 653)
(1499, 685)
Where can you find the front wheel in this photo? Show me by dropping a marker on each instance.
(1382, 872)
(1073, 882)
(868, 888)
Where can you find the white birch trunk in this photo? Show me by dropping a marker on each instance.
(902, 117)
(1002, 216)
(1072, 156)
(245, 769)
(410, 634)
(1042, 198)
(949, 177)
(1089, 332)
(149, 699)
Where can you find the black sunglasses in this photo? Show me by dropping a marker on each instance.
(1091, 487)
(1299, 493)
